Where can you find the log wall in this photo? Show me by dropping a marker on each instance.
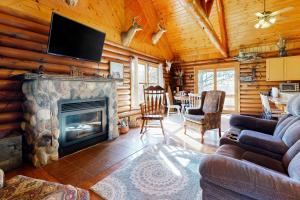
(23, 45)
(250, 103)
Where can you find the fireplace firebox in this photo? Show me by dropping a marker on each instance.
(82, 123)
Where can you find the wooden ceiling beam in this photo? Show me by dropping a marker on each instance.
(208, 7)
(198, 13)
(222, 23)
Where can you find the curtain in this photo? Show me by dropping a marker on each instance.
(134, 63)
(161, 80)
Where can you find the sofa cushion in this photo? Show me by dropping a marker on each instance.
(263, 141)
(211, 102)
(196, 118)
(292, 134)
(230, 151)
(283, 126)
(25, 188)
(253, 123)
(264, 161)
(294, 168)
(290, 154)
(293, 106)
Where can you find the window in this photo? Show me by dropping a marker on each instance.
(143, 74)
(148, 74)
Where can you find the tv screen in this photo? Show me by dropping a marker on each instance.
(70, 38)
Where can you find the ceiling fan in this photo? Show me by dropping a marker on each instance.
(267, 18)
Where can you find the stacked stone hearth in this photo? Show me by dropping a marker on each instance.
(41, 123)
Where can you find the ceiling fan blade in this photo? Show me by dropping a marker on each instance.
(281, 11)
(258, 14)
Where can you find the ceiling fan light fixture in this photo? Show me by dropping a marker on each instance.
(266, 24)
(272, 20)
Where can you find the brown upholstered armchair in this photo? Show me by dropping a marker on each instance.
(208, 116)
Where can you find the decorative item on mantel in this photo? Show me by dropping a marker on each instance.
(246, 57)
(281, 44)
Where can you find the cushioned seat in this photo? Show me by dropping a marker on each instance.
(234, 172)
(266, 137)
(26, 188)
(196, 118)
(264, 141)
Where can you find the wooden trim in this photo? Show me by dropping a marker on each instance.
(222, 24)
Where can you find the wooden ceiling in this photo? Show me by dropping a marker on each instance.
(185, 39)
(190, 43)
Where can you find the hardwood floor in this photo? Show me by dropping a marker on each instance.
(85, 168)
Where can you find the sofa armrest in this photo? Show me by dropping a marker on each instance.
(1, 178)
(248, 179)
(263, 141)
(195, 111)
(252, 123)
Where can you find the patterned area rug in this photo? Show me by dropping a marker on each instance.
(163, 172)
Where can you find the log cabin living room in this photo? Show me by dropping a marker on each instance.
(149, 99)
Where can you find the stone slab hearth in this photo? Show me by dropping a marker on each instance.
(41, 123)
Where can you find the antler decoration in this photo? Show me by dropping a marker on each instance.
(129, 35)
(169, 65)
(156, 36)
(71, 2)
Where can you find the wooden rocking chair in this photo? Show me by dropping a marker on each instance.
(153, 107)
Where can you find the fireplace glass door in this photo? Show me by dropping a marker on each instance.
(82, 125)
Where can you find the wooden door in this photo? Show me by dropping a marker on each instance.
(223, 77)
(275, 69)
(292, 68)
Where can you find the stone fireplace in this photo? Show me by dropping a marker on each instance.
(64, 114)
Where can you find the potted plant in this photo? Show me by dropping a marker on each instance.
(123, 126)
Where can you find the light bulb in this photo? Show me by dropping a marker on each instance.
(272, 20)
(266, 25)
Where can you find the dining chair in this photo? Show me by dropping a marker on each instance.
(172, 106)
(268, 113)
(194, 101)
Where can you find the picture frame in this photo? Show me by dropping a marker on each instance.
(116, 70)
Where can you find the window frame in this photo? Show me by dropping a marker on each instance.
(215, 68)
(146, 75)
(147, 65)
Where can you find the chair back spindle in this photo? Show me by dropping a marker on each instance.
(154, 100)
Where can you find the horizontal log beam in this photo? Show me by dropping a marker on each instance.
(10, 117)
(17, 22)
(23, 34)
(22, 44)
(10, 85)
(10, 106)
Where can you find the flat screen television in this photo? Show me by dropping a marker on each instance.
(70, 38)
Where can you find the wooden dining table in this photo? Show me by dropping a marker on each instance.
(181, 98)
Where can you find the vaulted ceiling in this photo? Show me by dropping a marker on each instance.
(185, 39)
(189, 42)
